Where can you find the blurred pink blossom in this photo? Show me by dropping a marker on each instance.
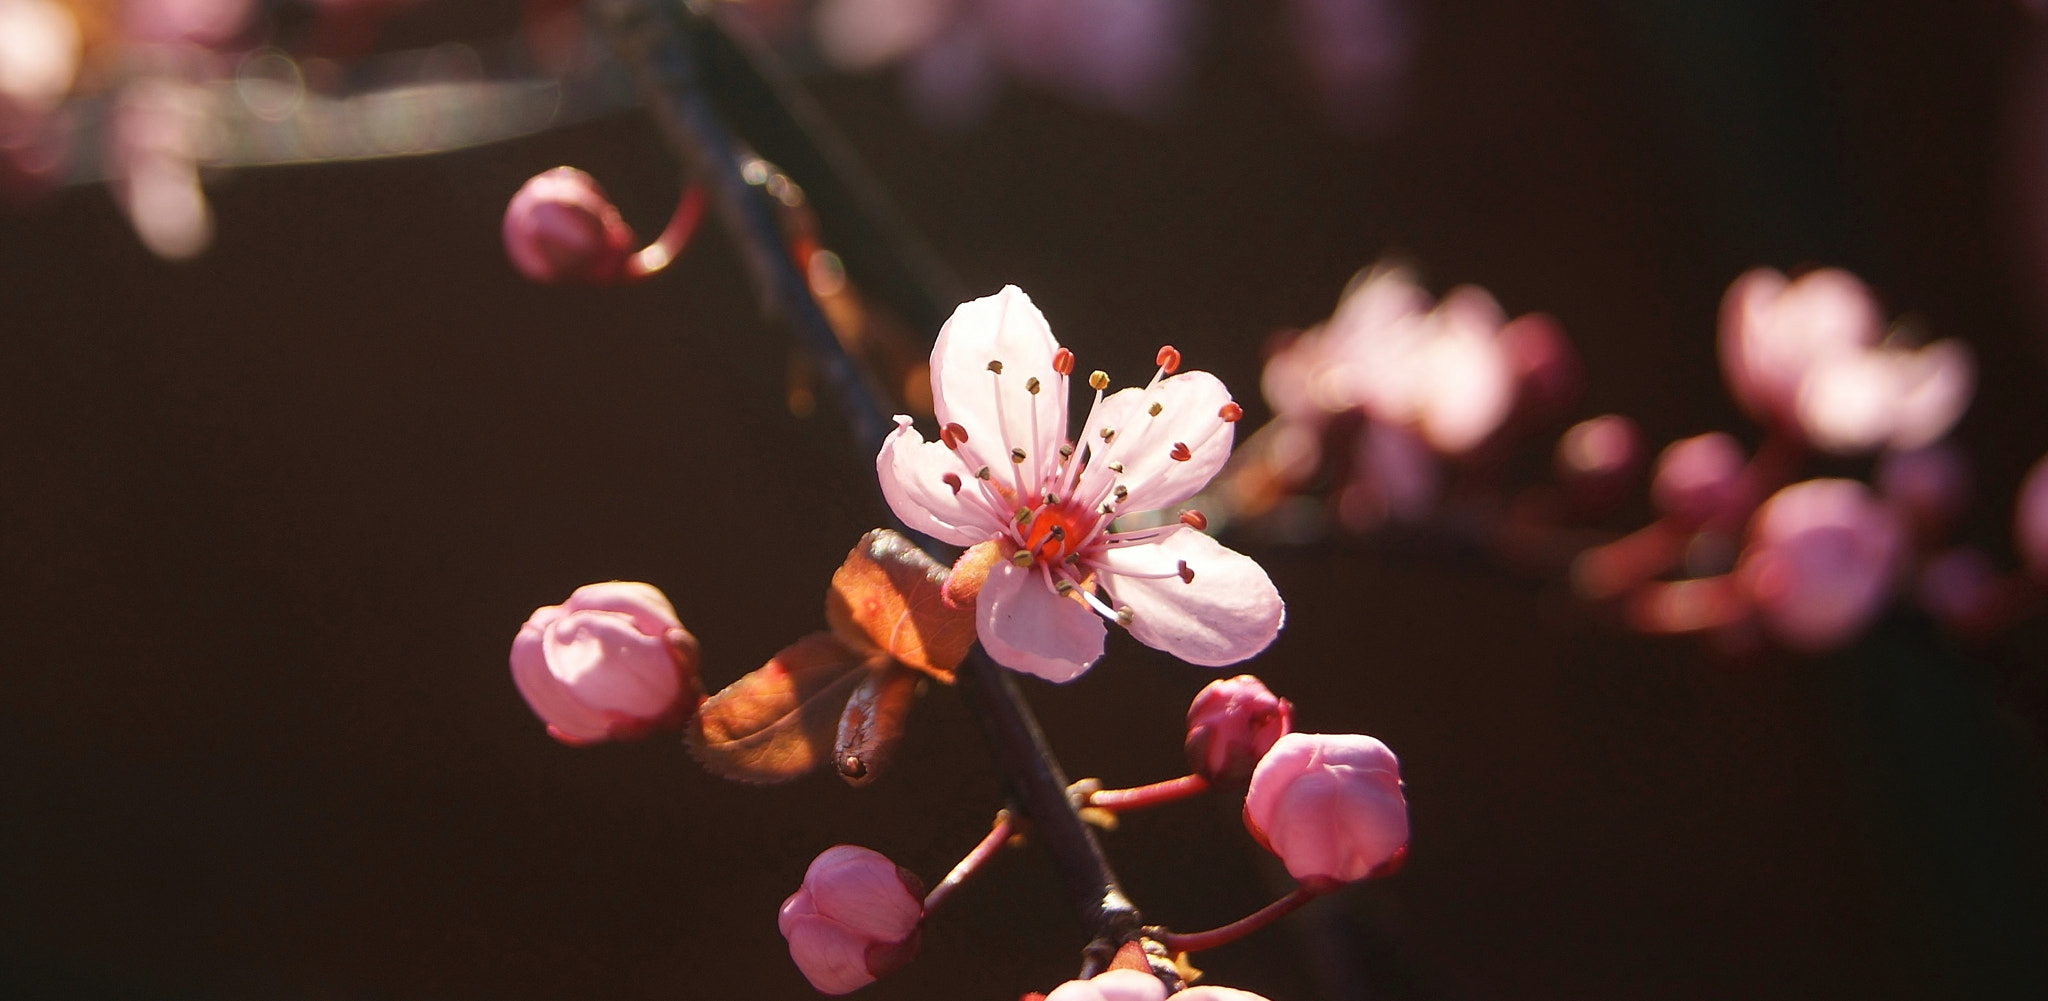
(611, 663)
(1329, 805)
(1822, 560)
(2030, 519)
(1699, 480)
(1211, 992)
(1932, 484)
(1004, 471)
(1232, 723)
(1441, 370)
(1357, 54)
(1125, 55)
(855, 918)
(561, 229)
(1804, 356)
(40, 48)
(196, 22)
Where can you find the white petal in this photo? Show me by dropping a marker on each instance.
(1026, 627)
(1189, 406)
(996, 409)
(1229, 612)
(1940, 380)
(913, 472)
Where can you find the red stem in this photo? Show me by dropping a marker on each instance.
(1198, 941)
(657, 255)
(981, 853)
(1140, 797)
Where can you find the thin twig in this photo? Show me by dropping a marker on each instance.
(974, 860)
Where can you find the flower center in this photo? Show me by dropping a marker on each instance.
(1056, 530)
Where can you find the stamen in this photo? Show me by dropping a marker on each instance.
(1230, 412)
(954, 435)
(1063, 585)
(1154, 409)
(1116, 467)
(1066, 450)
(1121, 492)
(1021, 558)
(995, 366)
(952, 480)
(1168, 359)
(1180, 452)
(1017, 455)
(981, 474)
(1096, 603)
(1124, 616)
(1195, 519)
(1098, 380)
(1063, 361)
(1023, 515)
(1186, 575)
(1108, 435)
(1031, 385)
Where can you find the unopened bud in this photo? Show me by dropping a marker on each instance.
(1330, 806)
(610, 663)
(855, 918)
(560, 229)
(1232, 723)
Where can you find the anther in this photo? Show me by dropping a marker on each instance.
(1180, 452)
(981, 474)
(995, 366)
(1195, 519)
(1067, 451)
(1116, 467)
(1108, 434)
(1124, 616)
(1031, 385)
(1023, 515)
(1098, 379)
(954, 435)
(951, 480)
(1122, 491)
(1230, 412)
(1072, 559)
(1051, 501)
(1187, 576)
(1063, 585)
(1154, 409)
(1168, 359)
(1109, 509)
(1063, 361)
(1017, 456)
(1057, 534)
(1021, 558)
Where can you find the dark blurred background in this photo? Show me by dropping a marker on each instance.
(269, 520)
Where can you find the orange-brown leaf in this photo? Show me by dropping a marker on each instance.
(780, 721)
(889, 596)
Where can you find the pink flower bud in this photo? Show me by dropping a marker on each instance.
(1598, 458)
(1232, 724)
(1698, 479)
(1821, 562)
(1112, 985)
(1329, 805)
(611, 663)
(2030, 520)
(854, 919)
(1773, 332)
(561, 229)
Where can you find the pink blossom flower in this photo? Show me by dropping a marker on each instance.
(1329, 805)
(1804, 356)
(561, 229)
(855, 918)
(1821, 562)
(610, 663)
(1005, 471)
(1931, 484)
(1440, 369)
(1232, 723)
(1111, 985)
